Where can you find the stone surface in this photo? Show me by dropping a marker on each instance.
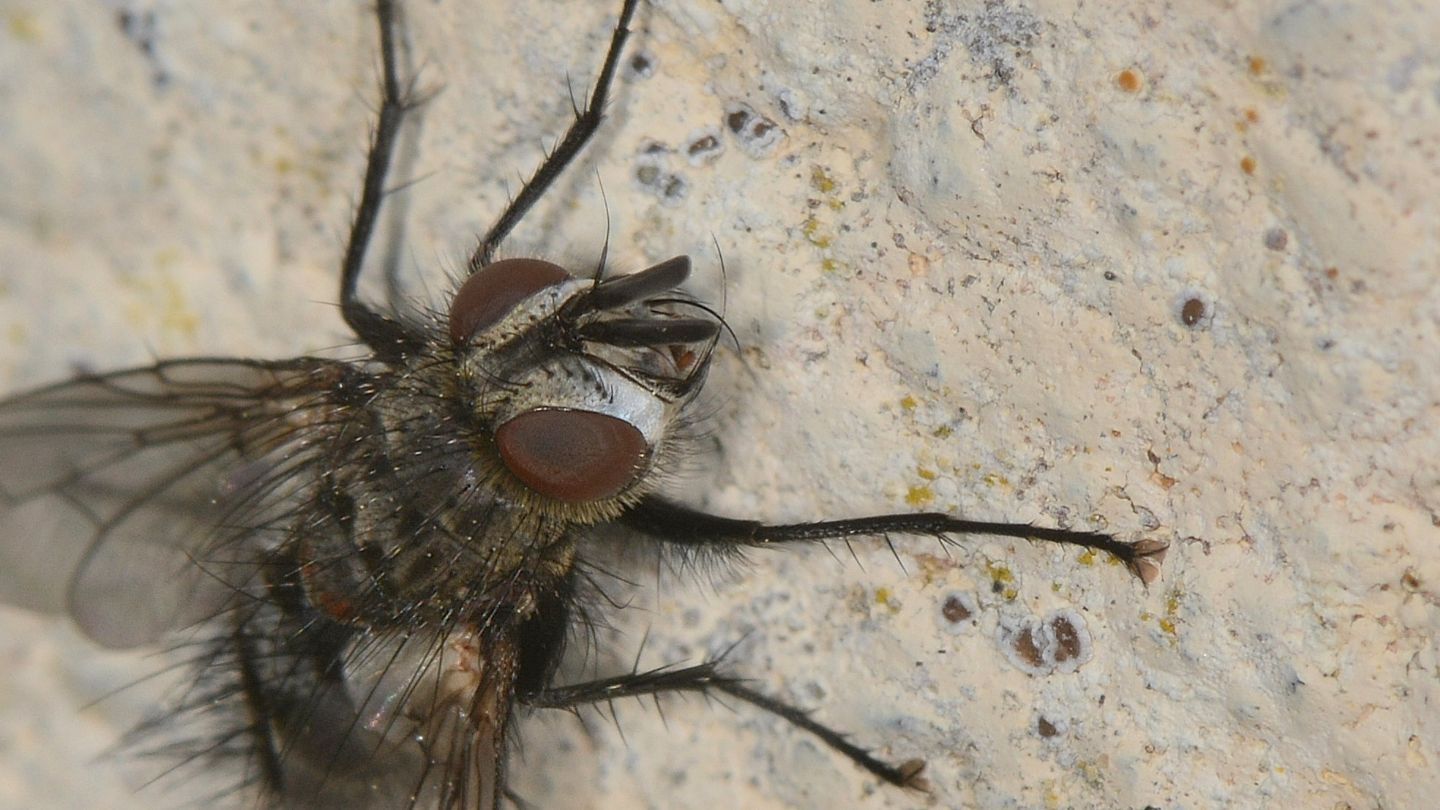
(1174, 274)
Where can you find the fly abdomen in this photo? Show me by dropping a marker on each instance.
(342, 715)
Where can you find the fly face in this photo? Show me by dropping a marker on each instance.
(374, 564)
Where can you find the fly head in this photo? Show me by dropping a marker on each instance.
(576, 387)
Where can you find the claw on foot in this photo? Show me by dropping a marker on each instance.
(910, 775)
(1145, 559)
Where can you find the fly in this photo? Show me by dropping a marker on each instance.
(372, 564)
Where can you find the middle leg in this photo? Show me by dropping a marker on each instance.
(706, 679)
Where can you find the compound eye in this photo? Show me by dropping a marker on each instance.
(571, 455)
(491, 292)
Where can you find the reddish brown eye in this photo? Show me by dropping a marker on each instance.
(493, 290)
(572, 455)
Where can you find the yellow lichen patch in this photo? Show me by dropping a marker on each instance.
(1167, 623)
(885, 598)
(908, 402)
(1087, 557)
(811, 228)
(919, 495)
(995, 480)
(23, 26)
(1001, 573)
(1093, 772)
(1052, 795)
(821, 181)
(942, 432)
(160, 293)
(176, 315)
(927, 474)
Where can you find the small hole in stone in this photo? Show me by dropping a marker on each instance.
(1192, 312)
(704, 146)
(675, 187)
(642, 66)
(757, 134)
(958, 609)
(1067, 639)
(1027, 649)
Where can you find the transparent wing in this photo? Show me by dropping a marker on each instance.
(117, 489)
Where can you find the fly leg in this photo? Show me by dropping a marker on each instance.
(707, 679)
(389, 338)
(587, 121)
(701, 532)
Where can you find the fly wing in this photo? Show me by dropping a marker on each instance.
(117, 489)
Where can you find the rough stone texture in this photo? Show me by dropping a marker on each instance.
(1173, 273)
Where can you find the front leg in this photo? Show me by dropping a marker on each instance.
(682, 526)
(390, 339)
